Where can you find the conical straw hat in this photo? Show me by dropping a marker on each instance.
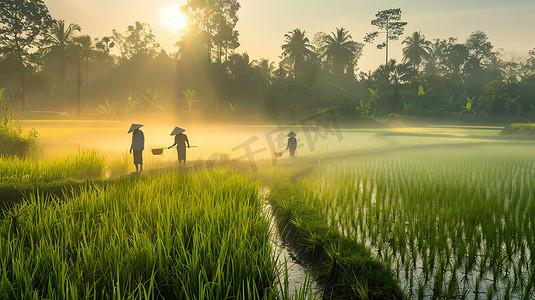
(177, 130)
(292, 134)
(134, 127)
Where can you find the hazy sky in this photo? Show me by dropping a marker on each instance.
(263, 23)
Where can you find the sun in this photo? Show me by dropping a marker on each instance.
(172, 18)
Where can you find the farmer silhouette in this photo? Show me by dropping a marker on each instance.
(292, 143)
(138, 144)
(180, 142)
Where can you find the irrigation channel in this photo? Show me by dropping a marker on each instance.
(295, 276)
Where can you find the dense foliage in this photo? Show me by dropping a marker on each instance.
(13, 140)
(127, 71)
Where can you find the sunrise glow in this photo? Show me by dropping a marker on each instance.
(172, 18)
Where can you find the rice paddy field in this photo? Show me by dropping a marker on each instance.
(199, 235)
(451, 223)
(432, 212)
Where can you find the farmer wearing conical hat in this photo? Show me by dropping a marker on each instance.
(138, 144)
(180, 141)
(292, 143)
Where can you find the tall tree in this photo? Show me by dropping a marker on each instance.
(495, 65)
(22, 22)
(528, 66)
(137, 40)
(479, 46)
(83, 45)
(479, 51)
(55, 45)
(297, 48)
(225, 19)
(417, 49)
(433, 63)
(396, 74)
(218, 18)
(455, 58)
(265, 69)
(193, 45)
(58, 36)
(339, 49)
(241, 71)
(104, 44)
(388, 22)
(102, 50)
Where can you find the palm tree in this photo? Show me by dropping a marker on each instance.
(456, 56)
(265, 69)
(193, 46)
(417, 49)
(434, 62)
(83, 45)
(339, 49)
(298, 48)
(55, 43)
(395, 74)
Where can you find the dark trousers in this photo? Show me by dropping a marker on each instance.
(292, 152)
(138, 157)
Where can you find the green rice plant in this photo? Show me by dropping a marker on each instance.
(421, 289)
(86, 164)
(464, 217)
(361, 290)
(490, 291)
(118, 167)
(335, 260)
(452, 290)
(165, 235)
(477, 287)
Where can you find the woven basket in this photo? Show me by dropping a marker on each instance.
(157, 151)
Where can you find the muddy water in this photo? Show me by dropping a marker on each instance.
(293, 276)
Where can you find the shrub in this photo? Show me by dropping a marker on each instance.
(525, 129)
(13, 140)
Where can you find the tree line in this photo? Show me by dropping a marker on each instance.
(46, 64)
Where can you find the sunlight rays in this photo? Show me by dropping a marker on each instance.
(172, 18)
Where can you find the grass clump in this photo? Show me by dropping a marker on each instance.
(13, 141)
(522, 129)
(346, 269)
(170, 235)
(88, 164)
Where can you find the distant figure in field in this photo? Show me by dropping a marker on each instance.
(180, 141)
(292, 143)
(138, 144)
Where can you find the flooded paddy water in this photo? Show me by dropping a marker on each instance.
(59, 138)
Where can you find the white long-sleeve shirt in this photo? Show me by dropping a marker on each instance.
(138, 140)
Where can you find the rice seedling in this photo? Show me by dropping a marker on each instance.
(457, 223)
